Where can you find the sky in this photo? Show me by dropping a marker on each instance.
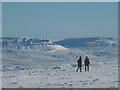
(59, 20)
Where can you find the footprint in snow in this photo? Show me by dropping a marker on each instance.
(65, 83)
(48, 84)
(84, 83)
(90, 76)
(91, 83)
(56, 68)
(112, 87)
(95, 80)
(74, 65)
(14, 83)
(70, 85)
(21, 87)
(80, 81)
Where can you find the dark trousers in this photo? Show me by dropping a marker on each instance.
(78, 69)
(87, 67)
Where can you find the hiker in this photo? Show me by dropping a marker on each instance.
(79, 64)
(87, 63)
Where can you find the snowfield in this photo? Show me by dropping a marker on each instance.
(47, 65)
(62, 76)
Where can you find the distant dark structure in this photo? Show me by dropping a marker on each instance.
(87, 63)
(79, 64)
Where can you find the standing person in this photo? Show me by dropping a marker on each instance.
(87, 63)
(79, 64)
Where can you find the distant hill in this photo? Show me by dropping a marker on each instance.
(19, 43)
(88, 42)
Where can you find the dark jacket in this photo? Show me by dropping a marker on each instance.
(79, 63)
(87, 62)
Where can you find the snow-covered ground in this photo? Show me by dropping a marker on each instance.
(62, 75)
(56, 68)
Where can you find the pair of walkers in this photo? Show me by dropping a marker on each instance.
(87, 63)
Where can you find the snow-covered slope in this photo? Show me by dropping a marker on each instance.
(95, 46)
(89, 42)
(21, 48)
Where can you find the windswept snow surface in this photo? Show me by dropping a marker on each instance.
(43, 64)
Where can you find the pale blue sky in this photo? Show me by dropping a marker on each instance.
(60, 20)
